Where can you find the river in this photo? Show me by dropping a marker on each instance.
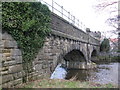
(104, 74)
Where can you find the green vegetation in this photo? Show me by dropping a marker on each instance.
(105, 45)
(56, 83)
(28, 23)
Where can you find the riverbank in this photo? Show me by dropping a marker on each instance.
(106, 58)
(59, 83)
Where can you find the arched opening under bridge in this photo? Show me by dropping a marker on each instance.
(74, 55)
(94, 56)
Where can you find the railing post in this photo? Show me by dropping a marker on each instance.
(81, 25)
(84, 27)
(74, 20)
(78, 22)
(69, 16)
(52, 6)
(62, 11)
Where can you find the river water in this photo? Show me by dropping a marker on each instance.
(104, 74)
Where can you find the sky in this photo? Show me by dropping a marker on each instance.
(85, 11)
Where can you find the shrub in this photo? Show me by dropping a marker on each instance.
(28, 23)
(105, 45)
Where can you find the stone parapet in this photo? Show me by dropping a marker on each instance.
(63, 26)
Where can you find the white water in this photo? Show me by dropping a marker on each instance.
(105, 73)
(59, 73)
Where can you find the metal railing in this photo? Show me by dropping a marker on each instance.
(60, 11)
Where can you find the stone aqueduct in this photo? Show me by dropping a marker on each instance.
(65, 44)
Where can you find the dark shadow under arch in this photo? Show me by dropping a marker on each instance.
(94, 55)
(74, 55)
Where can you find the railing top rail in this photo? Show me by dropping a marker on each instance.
(65, 14)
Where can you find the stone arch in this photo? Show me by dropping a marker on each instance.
(74, 55)
(60, 58)
(68, 49)
(94, 55)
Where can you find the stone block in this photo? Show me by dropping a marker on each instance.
(15, 52)
(17, 75)
(17, 82)
(3, 68)
(6, 36)
(0, 34)
(15, 68)
(7, 78)
(2, 57)
(7, 54)
(9, 44)
(9, 63)
(6, 50)
(4, 72)
(8, 58)
(17, 58)
(38, 67)
(38, 62)
(1, 43)
(0, 80)
(5, 85)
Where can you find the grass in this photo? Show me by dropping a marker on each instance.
(56, 83)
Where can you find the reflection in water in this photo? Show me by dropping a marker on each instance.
(108, 74)
(82, 75)
(105, 73)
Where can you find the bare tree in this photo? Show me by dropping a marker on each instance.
(114, 10)
(112, 7)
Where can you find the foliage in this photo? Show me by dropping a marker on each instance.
(112, 7)
(105, 45)
(57, 83)
(28, 23)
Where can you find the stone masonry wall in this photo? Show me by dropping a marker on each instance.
(63, 39)
(11, 61)
(53, 51)
(63, 26)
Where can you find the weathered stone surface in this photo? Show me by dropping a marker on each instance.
(15, 68)
(18, 81)
(10, 44)
(13, 62)
(38, 67)
(18, 75)
(63, 39)
(6, 78)
(6, 36)
(2, 57)
(0, 80)
(4, 72)
(8, 58)
(3, 68)
(16, 52)
(6, 50)
(1, 43)
(7, 54)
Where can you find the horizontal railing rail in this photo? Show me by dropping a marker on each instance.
(60, 11)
